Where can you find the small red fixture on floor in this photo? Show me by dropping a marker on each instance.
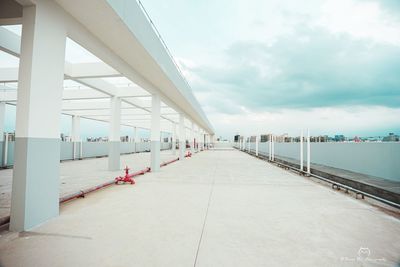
(188, 155)
(126, 179)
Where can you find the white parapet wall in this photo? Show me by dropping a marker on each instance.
(89, 150)
(376, 159)
(223, 145)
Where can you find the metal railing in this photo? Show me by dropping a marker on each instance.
(335, 184)
(162, 41)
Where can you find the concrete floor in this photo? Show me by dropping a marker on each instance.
(219, 208)
(81, 174)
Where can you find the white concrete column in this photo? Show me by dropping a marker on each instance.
(136, 139)
(301, 152)
(256, 145)
(5, 155)
(75, 136)
(182, 137)
(76, 128)
(155, 132)
(203, 137)
(2, 119)
(308, 152)
(197, 138)
(192, 137)
(35, 189)
(173, 138)
(114, 139)
(5, 144)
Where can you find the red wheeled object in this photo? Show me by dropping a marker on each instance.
(126, 179)
(188, 155)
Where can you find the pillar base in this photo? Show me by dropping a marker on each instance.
(155, 156)
(35, 189)
(114, 154)
(182, 149)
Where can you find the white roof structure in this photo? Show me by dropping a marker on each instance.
(113, 49)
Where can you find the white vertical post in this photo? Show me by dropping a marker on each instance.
(173, 141)
(2, 117)
(257, 145)
(270, 147)
(195, 138)
(5, 158)
(81, 150)
(182, 137)
(301, 152)
(192, 138)
(136, 140)
(114, 139)
(155, 132)
(273, 148)
(75, 134)
(201, 139)
(308, 152)
(35, 189)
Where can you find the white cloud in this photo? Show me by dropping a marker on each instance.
(361, 20)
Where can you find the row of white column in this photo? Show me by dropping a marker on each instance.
(245, 145)
(115, 133)
(35, 189)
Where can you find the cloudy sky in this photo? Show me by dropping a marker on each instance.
(279, 66)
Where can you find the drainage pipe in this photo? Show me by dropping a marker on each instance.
(168, 162)
(82, 193)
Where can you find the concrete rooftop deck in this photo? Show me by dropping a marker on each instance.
(219, 208)
(81, 174)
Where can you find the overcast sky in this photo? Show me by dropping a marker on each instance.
(279, 66)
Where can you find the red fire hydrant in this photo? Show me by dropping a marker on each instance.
(125, 179)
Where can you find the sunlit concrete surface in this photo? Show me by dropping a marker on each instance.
(219, 208)
(81, 174)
